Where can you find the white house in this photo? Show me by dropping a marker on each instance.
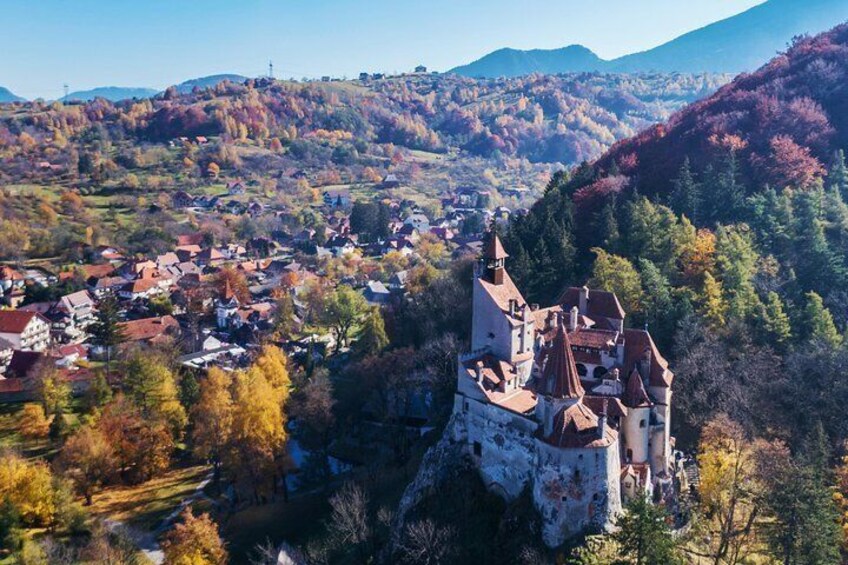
(28, 331)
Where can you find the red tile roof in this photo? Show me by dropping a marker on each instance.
(601, 303)
(15, 321)
(639, 344)
(577, 426)
(559, 377)
(493, 249)
(149, 328)
(635, 395)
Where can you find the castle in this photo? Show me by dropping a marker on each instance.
(564, 401)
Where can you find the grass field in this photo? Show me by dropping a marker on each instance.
(145, 506)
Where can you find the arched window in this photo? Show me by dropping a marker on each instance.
(599, 372)
(581, 370)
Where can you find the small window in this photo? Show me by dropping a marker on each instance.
(466, 406)
(581, 370)
(577, 474)
(642, 423)
(478, 449)
(564, 498)
(599, 372)
(630, 455)
(595, 497)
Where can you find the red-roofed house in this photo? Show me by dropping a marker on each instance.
(29, 331)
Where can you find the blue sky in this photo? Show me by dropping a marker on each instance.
(88, 43)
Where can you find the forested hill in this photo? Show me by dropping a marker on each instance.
(781, 125)
(736, 258)
(563, 119)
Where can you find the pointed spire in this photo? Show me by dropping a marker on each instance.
(493, 250)
(228, 291)
(560, 375)
(635, 395)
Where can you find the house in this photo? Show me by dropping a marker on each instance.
(235, 187)
(10, 278)
(6, 350)
(182, 199)
(390, 181)
(337, 198)
(397, 283)
(28, 331)
(420, 69)
(72, 315)
(418, 221)
(150, 330)
(106, 285)
(140, 288)
(22, 363)
(376, 292)
(190, 239)
(209, 257)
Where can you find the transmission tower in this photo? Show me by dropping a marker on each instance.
(65, 87)
(271, 70)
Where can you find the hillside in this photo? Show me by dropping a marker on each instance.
(783, 124)
(345, 126)
(208, 82)
(112, 93)
(737, 44)
(7, 95)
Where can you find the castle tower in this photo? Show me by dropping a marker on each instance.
(560, 385)
(494, 258)
(636, 424)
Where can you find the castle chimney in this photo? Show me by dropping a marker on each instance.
(572, 322)
(584, 300)
(645, 363)
(478, 371)
(602, 421)
(513, 304)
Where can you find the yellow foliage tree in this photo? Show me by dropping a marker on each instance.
(28, 486)
(33, 423)
(194, 541)
(213, 418)
(729, 491)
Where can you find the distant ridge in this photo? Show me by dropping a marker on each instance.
(7, 95)
(737, 44)
(208, 81)
(113, 93)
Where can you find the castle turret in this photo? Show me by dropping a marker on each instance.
(560, 385)
(494, 257)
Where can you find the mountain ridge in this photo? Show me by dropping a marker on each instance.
(737, 44)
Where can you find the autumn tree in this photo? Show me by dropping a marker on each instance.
(28, 486)
(372, 336)
(194, 540)
(142, 446)
(729, 491)
(88, 458)
(258, 435)
(231, 280)
(343, 308)
(617, 274)
(33, 424)
(152, 386)
(212, 418)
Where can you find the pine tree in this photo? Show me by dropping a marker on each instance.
(686, 197)
(643, 535)
(106, 331)
(838, 176)
(818, 322)
(775, 322)
(713, 308)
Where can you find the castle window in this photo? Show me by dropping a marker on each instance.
(581, 370)
(630, 455)
(641, 423)
(595, 496)
(564, 498)
(577, 474)
(478, 449)
(599, 372)
(466, 406)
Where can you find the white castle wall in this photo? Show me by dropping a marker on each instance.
(575, 489)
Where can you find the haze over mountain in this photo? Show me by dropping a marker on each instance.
(734, 45)
(7, 95)
(113, 93)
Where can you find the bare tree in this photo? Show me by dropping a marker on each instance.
(349, 522)
(426, 543)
